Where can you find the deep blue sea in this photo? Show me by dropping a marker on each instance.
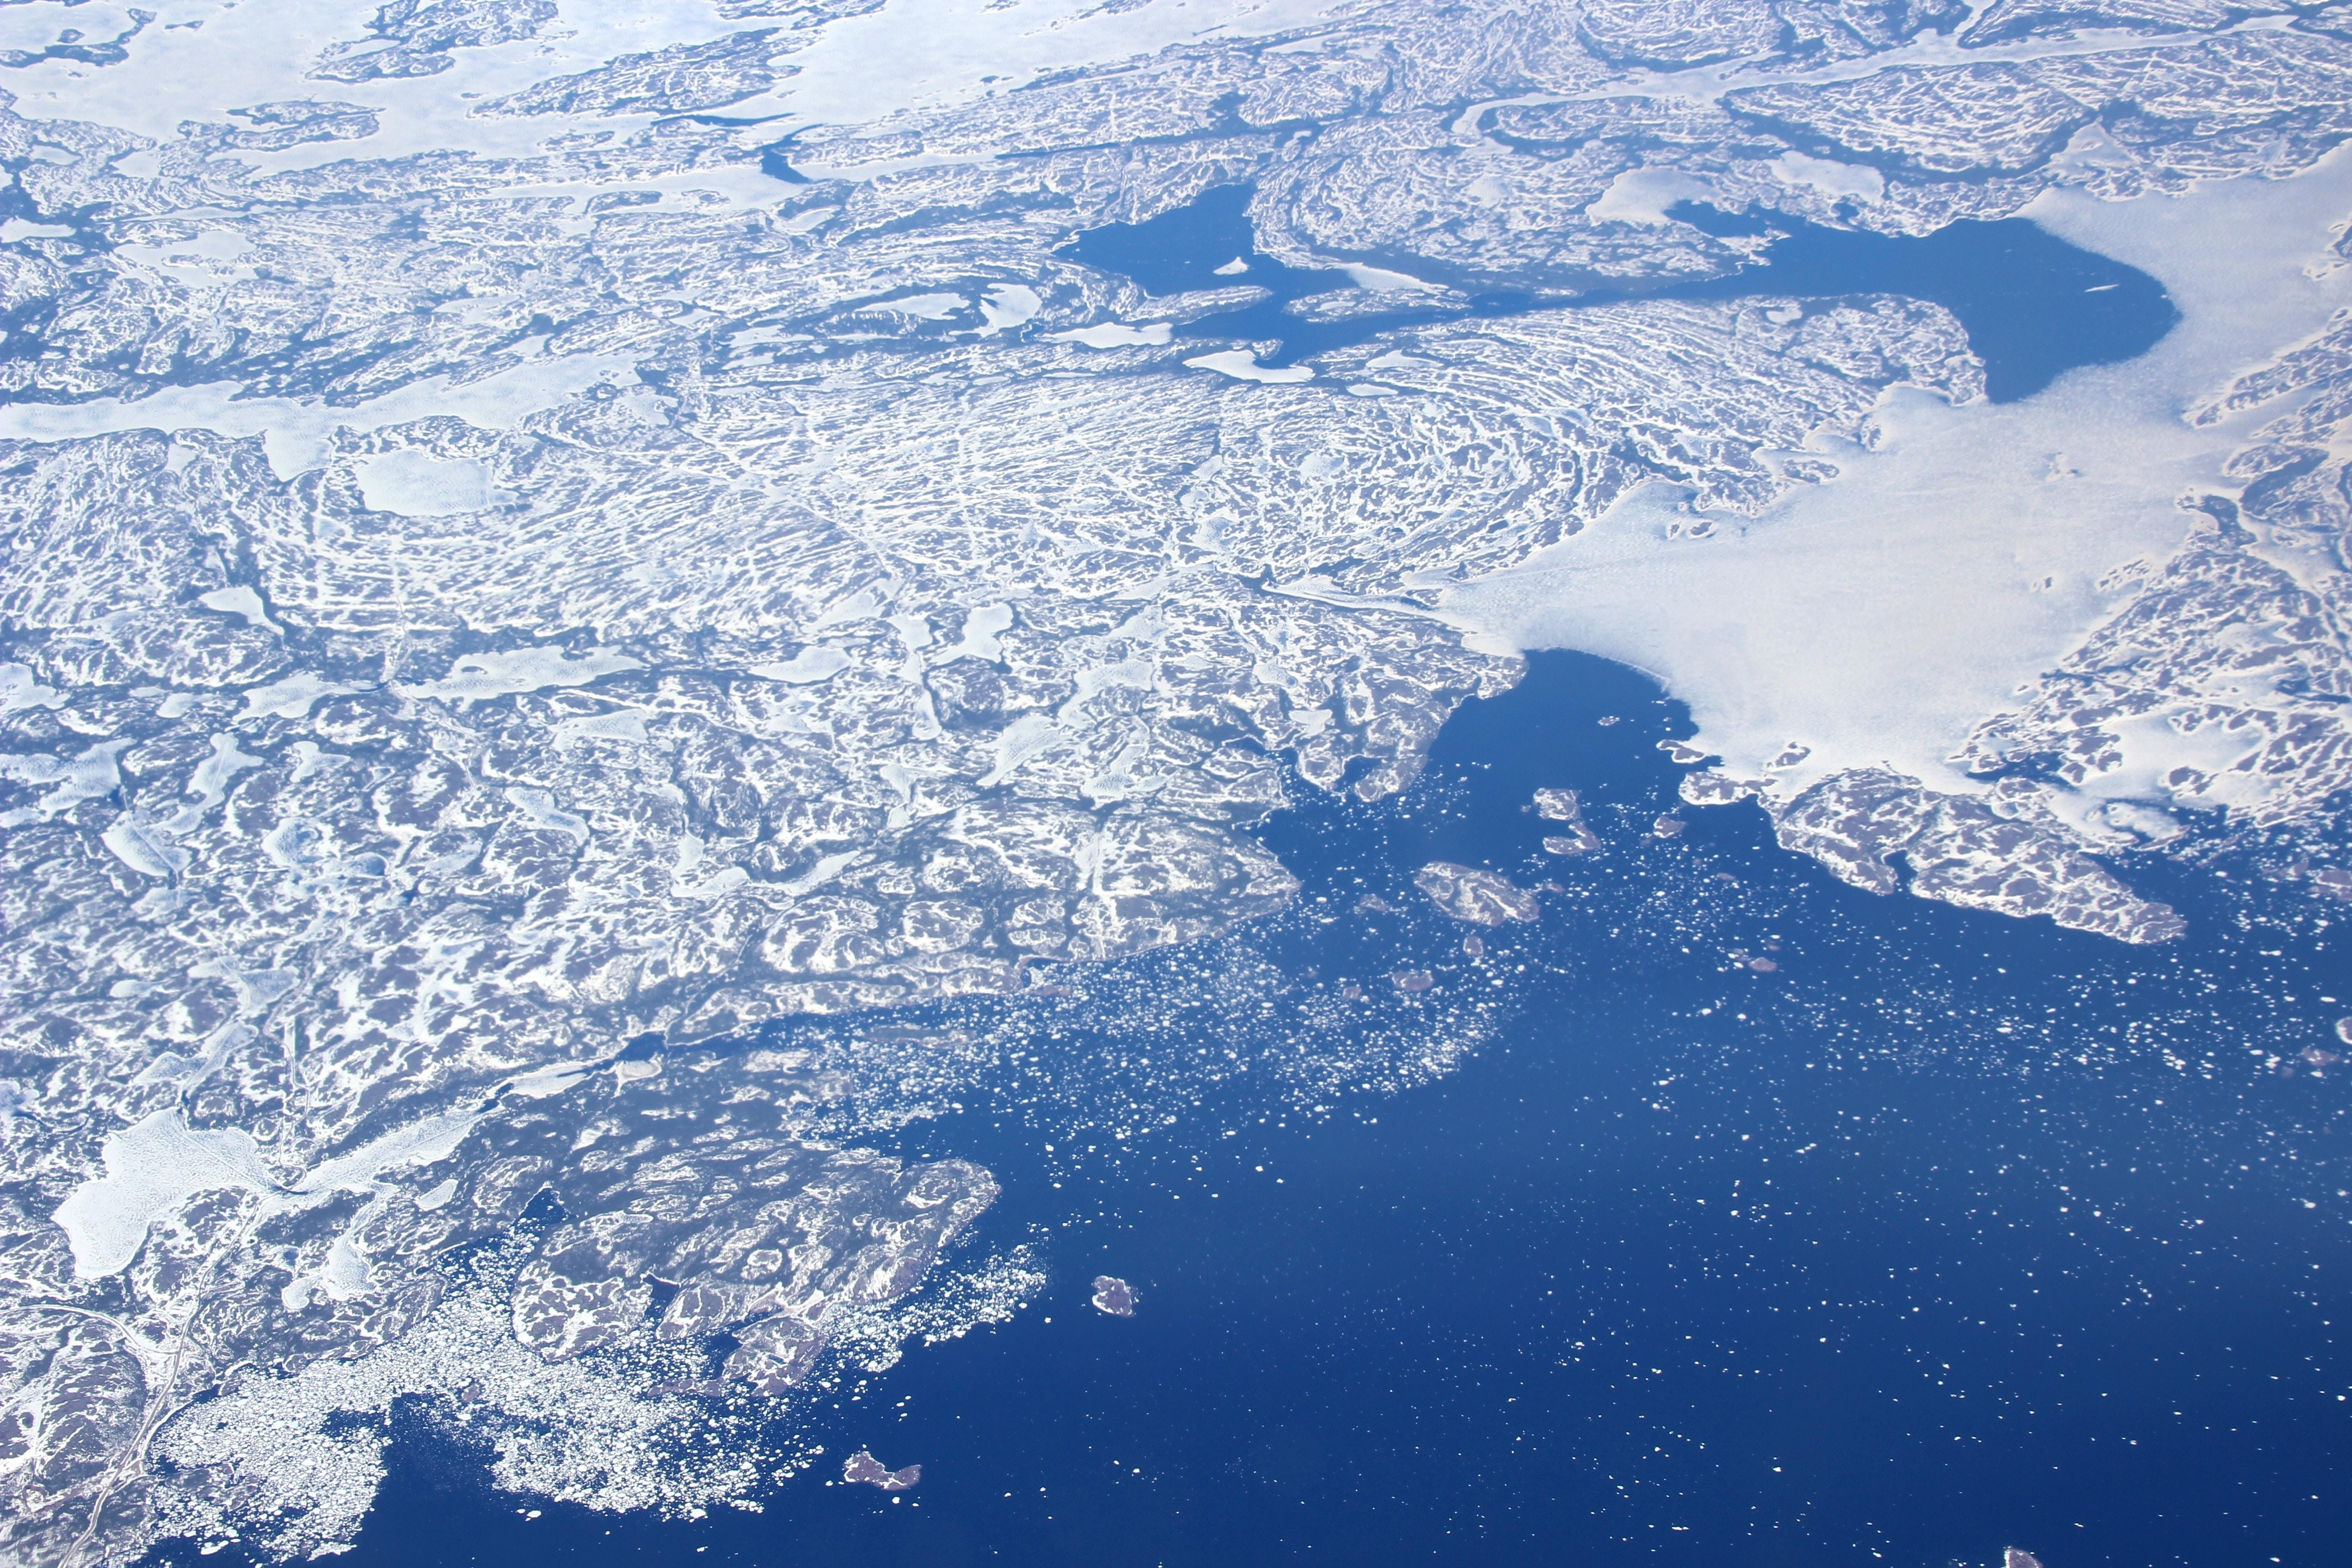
(1950, 1233)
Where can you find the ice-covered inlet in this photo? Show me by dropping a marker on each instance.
(151, 1167)
(1885, 617)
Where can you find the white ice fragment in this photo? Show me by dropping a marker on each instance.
(1008, 305)
(238, 599)
(144, 848)
(545, 1083)
(292, 696)
(981, 629)
(1863, 184)
(417, 484)
(858, 607)
(1233, 268)
(1242, 365)
(426, 1141)
(539, 807)
(93, 775)
(1380, 280)
(480, 676)
(152, 1168)
(1030, 735)
(18, 689)
(1643, 196)
(920, 307)
(1116, 335)
(625, 725)
(210, 781)
(810, 667)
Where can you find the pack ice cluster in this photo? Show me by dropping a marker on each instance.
(509, 569)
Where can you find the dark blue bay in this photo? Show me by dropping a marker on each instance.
(2033, 305)
(1951, 1233)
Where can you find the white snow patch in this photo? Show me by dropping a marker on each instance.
(1008, 305)
(293, 696)
(144, 848)
(1643, 196)
(982, 628)
(810, 667)
(1858, 181)
(1380, 280)
(1116, 335)
(417, 484)
(237, 599)
(1242, 365)
(480, 676)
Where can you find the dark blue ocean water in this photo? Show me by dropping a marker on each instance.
(1949, 1234)
(2034, 306)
